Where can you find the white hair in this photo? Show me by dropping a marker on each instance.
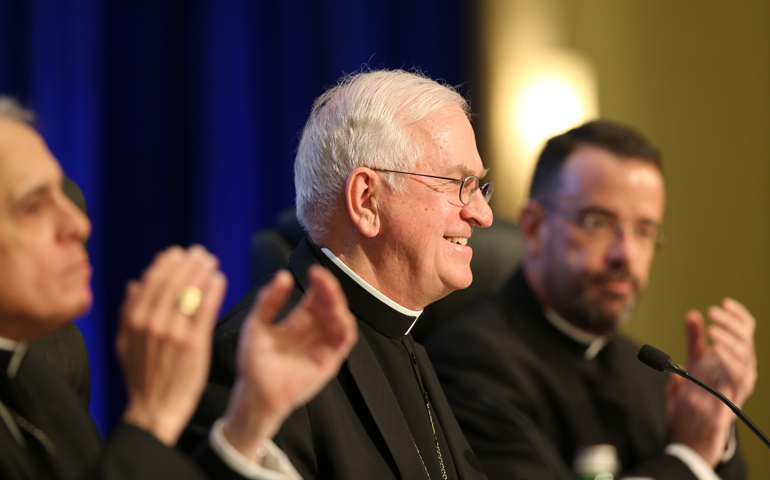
(11, 108)
(361, 122)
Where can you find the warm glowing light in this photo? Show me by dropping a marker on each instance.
(546, 106)
(536, 88)
(539, 94)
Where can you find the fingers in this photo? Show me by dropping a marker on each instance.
(320, 325)
(210, 305)
(129, 304)
(196, 270)
(696, 345)
(733, 317)
(730, 362)
(737, 364)
(158, 290)
(738, 309)
(330, 307)
(151, 316)
(158, 340)
(732, 337)
(271, 299)
(154, 276)
(327, 285)
(673, 388)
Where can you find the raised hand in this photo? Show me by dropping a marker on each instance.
(729, 364)
(732, 342)
(283, 365)
(164, 340)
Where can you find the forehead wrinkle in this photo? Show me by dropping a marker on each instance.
(438, 139)
(46, 177)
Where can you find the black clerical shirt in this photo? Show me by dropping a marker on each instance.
(387, 332)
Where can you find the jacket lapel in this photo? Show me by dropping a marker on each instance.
(15, 461)
(383, 406)
(467, 465)
(370, 380)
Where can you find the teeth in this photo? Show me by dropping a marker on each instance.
(458, 240)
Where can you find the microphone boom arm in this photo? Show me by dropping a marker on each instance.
(676, 369)
(657, 359)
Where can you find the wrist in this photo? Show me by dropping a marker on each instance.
(249, 422)
(157, 425)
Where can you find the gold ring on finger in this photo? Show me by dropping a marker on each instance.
(189, 300)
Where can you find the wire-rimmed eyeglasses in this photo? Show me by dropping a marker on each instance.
(606, 226)
(468, 185)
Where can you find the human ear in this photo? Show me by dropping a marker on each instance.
(361, 194)
(532, 227)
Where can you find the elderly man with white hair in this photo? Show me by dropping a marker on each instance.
(389, 189)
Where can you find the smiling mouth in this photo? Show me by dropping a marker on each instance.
(458, 240)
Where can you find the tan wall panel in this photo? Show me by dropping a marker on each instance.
(695, 78)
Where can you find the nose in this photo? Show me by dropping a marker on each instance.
(73, 222)
(478, 211)
(623, 249)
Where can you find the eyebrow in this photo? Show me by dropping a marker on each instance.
(36, 191)
(465, 172)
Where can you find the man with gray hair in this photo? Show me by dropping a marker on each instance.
(388, 182)
(163, 344)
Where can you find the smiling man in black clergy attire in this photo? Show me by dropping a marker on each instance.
(548, 342)
(388, 187)
(163, 344)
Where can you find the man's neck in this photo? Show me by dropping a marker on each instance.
(382, 269)
(368, 287)
(593, 341)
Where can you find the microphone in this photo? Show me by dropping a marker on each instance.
(661, 361)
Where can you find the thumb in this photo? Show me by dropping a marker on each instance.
(672, 387)
(696, 336)
(271, 298)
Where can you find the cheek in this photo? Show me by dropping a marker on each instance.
(578, 254)
(36, 270)
(33, 279)
(24, 294)
(421, 229)
(642, 268)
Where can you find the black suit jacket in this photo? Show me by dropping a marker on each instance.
(65, 350)
(506, 348)
(41, 395)
(354, 429)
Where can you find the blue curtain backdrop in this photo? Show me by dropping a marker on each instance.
(179, 118)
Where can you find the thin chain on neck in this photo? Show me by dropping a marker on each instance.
(435, 437)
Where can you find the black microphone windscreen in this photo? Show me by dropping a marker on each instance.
(654, 358)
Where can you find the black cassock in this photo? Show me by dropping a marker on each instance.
(46, 434)
(506, 347)
(371, 421)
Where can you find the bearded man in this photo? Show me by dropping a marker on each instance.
(547, 348)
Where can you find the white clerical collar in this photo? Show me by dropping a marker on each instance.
(376, 293)
(18, 349)
(595, 343)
